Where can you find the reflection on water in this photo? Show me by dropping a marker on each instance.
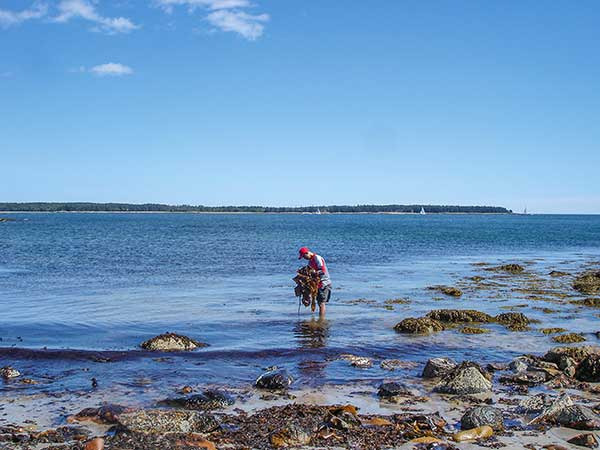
(311, 334)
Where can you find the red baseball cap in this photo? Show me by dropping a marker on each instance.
(303, 251)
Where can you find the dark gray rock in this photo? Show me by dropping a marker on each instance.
(168, 421)
(482, 415)
(392, 389)
(274, 380)
(468, 378)
(207, 400)
(589, 369)
(584, 440)
(438, 367)
(578, 417)
(171, 342)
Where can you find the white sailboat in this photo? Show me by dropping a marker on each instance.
(422, 212)
(318, 211)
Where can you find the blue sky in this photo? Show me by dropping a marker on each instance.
(294, 102)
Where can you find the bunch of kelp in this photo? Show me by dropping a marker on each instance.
(307, 286)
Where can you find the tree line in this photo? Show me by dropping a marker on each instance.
(156, 207)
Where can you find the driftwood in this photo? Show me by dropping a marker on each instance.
(307, 286)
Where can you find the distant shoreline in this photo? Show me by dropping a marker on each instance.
(265, 213)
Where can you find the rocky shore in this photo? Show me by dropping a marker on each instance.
(543, 400)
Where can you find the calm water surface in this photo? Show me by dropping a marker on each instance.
(106, 282)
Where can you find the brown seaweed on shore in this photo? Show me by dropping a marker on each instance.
(588, 282)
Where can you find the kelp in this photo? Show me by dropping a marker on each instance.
(307, 286)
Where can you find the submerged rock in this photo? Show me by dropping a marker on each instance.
(552, 330)
(459, 316)
(358, 361)
(509, 268)
(589, 369)
(588, 282)
(513, 321)
(171, 342)
(557, 354)
(448, 290)
(207, 400)
(168, 421)
(420, 325)
(467, 378)
(568, 338)
(8, 372)
(584, 440)
(578, 417)
(274, 380)
(558, 273)
(474, 330)
(592, 302)
(392, 389)
(438, 367)
(482, 415)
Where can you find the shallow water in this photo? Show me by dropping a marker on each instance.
(103, 283)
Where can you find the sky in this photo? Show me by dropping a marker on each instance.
(289, 102)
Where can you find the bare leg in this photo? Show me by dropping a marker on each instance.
(322, 310)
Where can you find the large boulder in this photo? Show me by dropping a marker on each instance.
(459, 315)
(171, 342)
(438, 367)
(419, 325)
(467, 378)
(588, 282)
(168, 421)
(207, 400)
(589, 369)
(274, 380)
(482, 415)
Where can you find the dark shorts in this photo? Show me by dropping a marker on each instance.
(324, 295)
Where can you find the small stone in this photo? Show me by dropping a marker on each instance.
(447, 290)
(274, 380)
(482, 415)
(8, 372)
(392, 389)
(358, 361)
(584, 440)
(438, 367)
(171, 342)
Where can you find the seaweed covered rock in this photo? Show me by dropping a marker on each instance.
(168, 421)
(592, 302)
(482, 415)
(418, 325)
(207, 400)
(568, 338)
(552, 330)
(459, 316)
(467, 378)
(438, 367)
(589, 369)
(474, 330)
(588, 282)
(508, 268)
(171, 342)
(290, 435)
(447, 290)
(578, 417)
(274, 380)
(392, 389)
(513, 321)
(558, 273)
(558, 354)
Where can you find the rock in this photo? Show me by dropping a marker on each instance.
(527, 378)
(552, 330)
(393, 364)
(482, 415)
(168, 421)
(467, 378)
(459, 316)
(95, 444)
(569, 338)
(6, 219)
(556, 354)
(483, 432)
(171, 342)
(420, 325)
(289, 436)
(474, 330)
(558, 273)
(207, 400)
(448, 290)
(392, 389)
(513, 321)
(519, 364)
(578, 417)
(584, 440)
(106, 414)
(510, 268)
(7, 372)
(588, 282)
(589, 369)
(534, 404)
(592, 302)
(568, 366)
(274, 380)
(438, 367)
(358, 361)
(549, 413)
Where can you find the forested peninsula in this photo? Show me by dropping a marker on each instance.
(154, 207)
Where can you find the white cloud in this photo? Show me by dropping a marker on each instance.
(8, 18)
(111, 69)
(248, 25)
(225, 15)
(69, 9)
